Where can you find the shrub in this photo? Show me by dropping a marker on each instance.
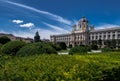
(57, 47)
(0, 47)
(94, 47)
(79, 49)
(4, 39)
(111, 74)
(116, 50)
(36, 48)
(11, 48)
(62, 45)
(91, 67)
(106, 49)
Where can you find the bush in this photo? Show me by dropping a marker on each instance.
(79, 49)
(0, 48)
(111, 74)
(116, 50)
(62, 45)
(4, 40)
(94, 47)
(57, 47)
(106, 49)
(36, 48)
(11, 48)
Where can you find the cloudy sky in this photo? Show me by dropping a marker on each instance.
(25, 17)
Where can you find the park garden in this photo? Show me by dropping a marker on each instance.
(39, 61)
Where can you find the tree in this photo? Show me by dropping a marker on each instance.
(118, 43)
(79, 50)
(37, 37)
(107, 43)
(94, 42)
(99, 42)
(4, 39)
(11, 48)
(36, 48)
(94, 47)
(113, 43)
(62, 45)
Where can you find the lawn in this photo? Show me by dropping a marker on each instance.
(89, 67)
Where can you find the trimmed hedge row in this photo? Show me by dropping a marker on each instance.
(79, 50)
(36, 48)
(22, 49)
(11, 48)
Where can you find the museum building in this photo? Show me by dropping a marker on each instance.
(84, 34)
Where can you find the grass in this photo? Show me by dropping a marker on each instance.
(87, 67)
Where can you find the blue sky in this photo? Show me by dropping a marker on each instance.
(25, 17)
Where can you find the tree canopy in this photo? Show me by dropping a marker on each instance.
(4, 39)
(37, 37)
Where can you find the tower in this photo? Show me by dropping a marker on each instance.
(83, 24)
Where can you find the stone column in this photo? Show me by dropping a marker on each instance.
(116, 35)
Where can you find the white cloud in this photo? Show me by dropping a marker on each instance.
(44, 33)
(51, 16)
(17, 21)
(23, 34)
(56, 28)
(103, 26)
(27, 25)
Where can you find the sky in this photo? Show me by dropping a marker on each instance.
(50, 17)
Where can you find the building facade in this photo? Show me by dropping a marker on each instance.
(84, 34)
(15, 38)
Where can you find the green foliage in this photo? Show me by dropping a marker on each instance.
(70, 46)
(94, 47)
(111, 74)
(94, 42)
(79, 50)
(36, 48)
(94, 67)
(106, 49)
(11, 48)
(111, 43)
(0, 48)
(116, 50)
(4, 39)
(62, 45)
(57, 47)
(99, 42)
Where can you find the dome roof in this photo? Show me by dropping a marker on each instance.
(83, 20)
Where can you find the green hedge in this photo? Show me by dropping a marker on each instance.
(4, 40)
(79, 50)
(111, 74)
(93, 67)
(106, 49)
(11, 48)
(36, 48)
